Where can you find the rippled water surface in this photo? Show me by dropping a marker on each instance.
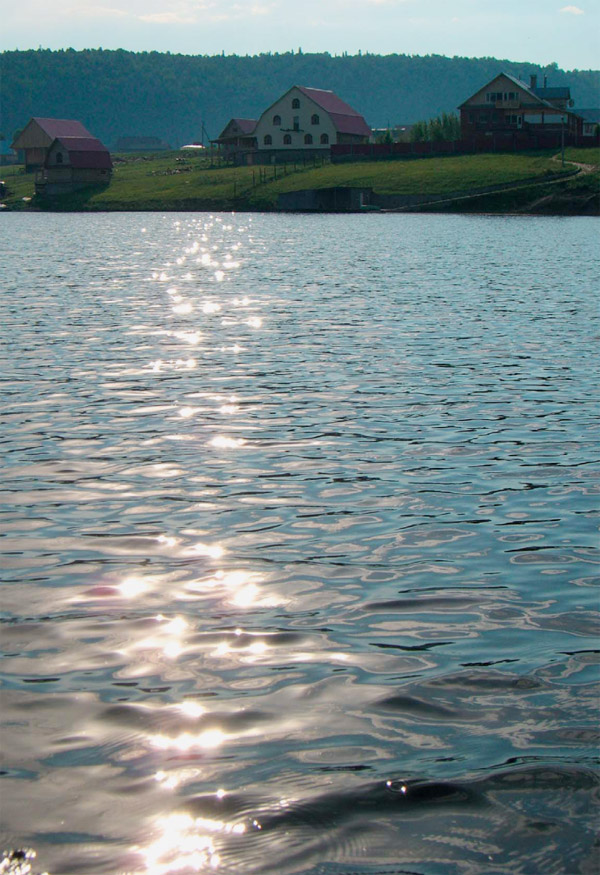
(299, 544)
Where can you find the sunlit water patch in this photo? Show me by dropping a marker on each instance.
(299, 545)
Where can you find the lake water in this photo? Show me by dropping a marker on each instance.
(299, 544)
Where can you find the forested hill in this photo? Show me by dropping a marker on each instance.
(121, 93)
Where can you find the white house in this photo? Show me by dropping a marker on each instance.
(309, 119)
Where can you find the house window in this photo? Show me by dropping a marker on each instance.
(296, 123)
(324, 139)
(314, 119)
(268, 139)
(59, 158)
(276, 119)
(307, 139)
(295, 103)
(287, 140)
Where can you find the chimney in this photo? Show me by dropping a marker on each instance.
(533, 83)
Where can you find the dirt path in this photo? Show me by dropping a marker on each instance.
(584, 168)
(543, 181)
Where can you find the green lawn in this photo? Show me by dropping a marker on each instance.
(584, 156)
(176, 180)
(415, 176)
(19, 184)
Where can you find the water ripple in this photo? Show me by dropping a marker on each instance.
(299, 543)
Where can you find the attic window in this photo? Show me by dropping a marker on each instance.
(324, 139)
(314, 119)
(287, 140)
(295, 103)
(276, 119)
(59, 157)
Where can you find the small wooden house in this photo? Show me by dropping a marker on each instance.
(236, 136)
(38, 134)
(72, 163)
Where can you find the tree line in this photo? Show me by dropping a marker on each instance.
(121, 93)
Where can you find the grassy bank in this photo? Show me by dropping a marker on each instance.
(180, 181)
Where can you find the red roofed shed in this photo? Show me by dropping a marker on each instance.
(74, 162)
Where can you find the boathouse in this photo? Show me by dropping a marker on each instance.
(72, 163)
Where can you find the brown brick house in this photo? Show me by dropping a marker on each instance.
(506, 105)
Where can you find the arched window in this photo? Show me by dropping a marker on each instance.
(59, 158)
(314, 119)
(268, 139)
(295, 103)
(324, 139)
(287, 140)
(307, 139)
(276, 119)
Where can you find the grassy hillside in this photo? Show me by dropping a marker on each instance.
(180, 181)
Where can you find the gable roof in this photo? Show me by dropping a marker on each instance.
(247, 125)
(85, 152)
(52, 128)
(345, 119)
(236, 127)
(537, 95)
(62, 127)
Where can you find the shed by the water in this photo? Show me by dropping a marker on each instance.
(329, 200)
(72, 163)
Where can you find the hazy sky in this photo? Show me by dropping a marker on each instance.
(521, 30)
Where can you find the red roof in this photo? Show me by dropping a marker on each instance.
(246, 124)
(85, 152)
(345, 119)
(62, 127)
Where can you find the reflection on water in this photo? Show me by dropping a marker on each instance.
(299, 545)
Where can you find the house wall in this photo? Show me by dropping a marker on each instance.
(283, 107)
(59, 179)
(53, 154)
(35, 157)
(86, 175)
(32, 137)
